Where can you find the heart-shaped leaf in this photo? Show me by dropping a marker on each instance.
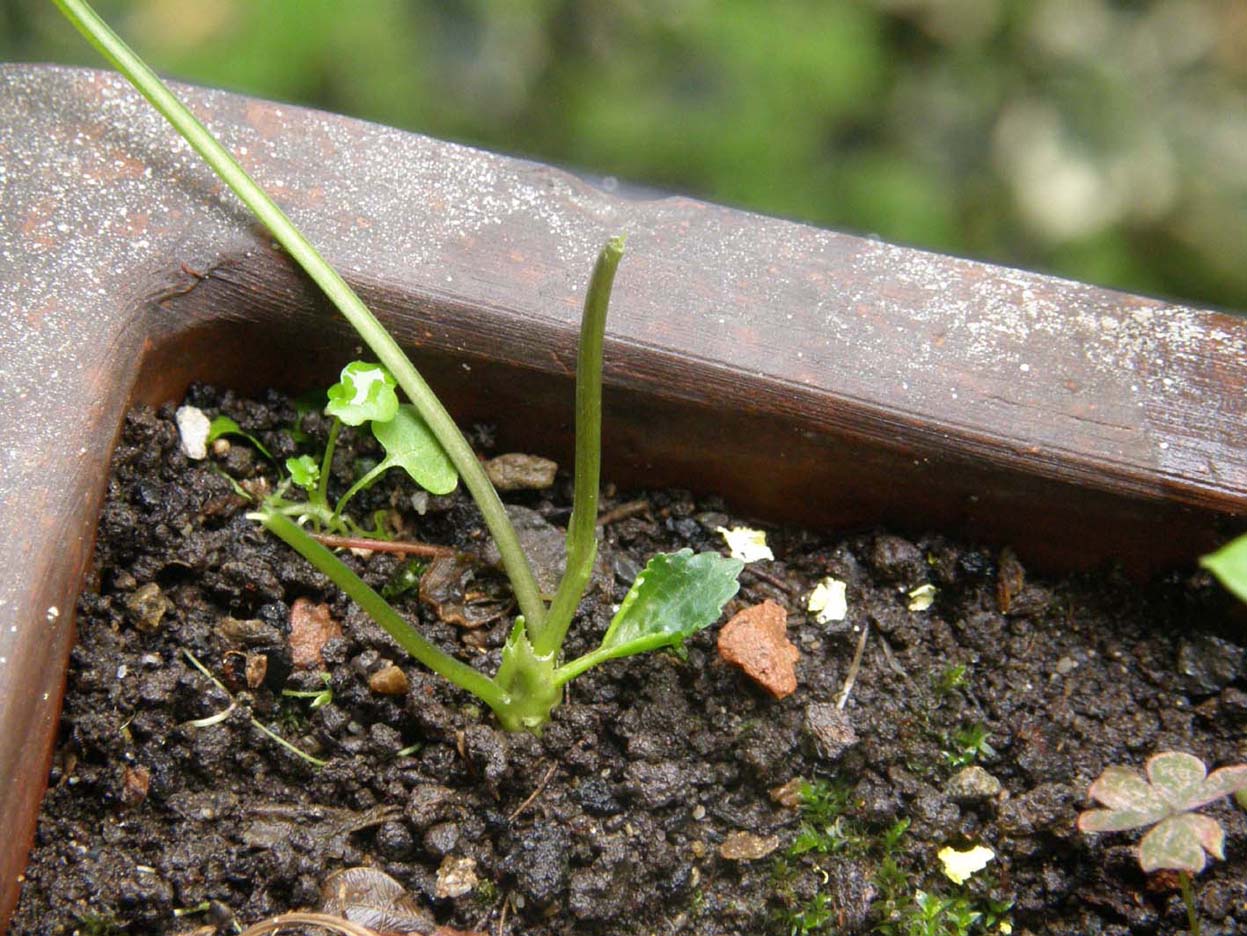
(363, 393)
(1219, 783)
(675, 596)
(1179, 842)
(410, 444)
(1176, 776)
(1122, 788)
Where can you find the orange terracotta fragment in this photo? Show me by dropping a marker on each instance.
(756, 640)
(311, 627)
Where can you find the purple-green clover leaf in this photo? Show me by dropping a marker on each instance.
(1229, 565)
(1176, 785)
(363, 393)
(675, 596)
(304, 471)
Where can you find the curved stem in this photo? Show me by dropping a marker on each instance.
(378, 470)
(111, 46)
(582, 542)
(420, 647)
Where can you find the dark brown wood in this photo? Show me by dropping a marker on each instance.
(803, 374)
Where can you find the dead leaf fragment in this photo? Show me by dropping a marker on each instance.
(449, 587)
(389, 680)
(788, 795)
(745, 846)
(373, 899)
(257, 669)
(135, 782)
(1010, 579)
(311, 627)
(756, 640)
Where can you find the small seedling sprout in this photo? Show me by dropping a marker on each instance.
(674, 596)
(1177, 784)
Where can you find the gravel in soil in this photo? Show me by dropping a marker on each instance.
(667, 795)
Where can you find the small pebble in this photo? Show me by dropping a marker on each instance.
(519, 472)
(193, 428)
(147, 606)
(389, 680)
(456, 877)
(972, 785)
(745, 846)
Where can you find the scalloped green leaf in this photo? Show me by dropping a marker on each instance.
(1176, 776)
(1121, 788)
(1229, 565)
(1118, 820)
(675, 596)
(363, 393)
(1221, 782)
(1179, 842)
(304, 471)
(225, 426)
(410, 444)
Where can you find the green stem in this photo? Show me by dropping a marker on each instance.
(380, 611)
(378, 470)
(582, 542)
(326, 464)
(110, 45)
(1188, 898)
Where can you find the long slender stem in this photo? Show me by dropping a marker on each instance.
(582, 542)
(380, 611)
(326, 464)
(378, 470)
(111, 46)
(1188, 898)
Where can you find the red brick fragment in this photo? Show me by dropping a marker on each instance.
(311, 627)
(756, 640)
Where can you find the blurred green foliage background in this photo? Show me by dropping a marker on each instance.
(1106, 141)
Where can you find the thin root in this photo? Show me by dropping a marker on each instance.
(537, 792)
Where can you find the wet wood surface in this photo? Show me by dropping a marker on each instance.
(802, 374)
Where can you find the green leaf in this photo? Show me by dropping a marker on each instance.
(304, 471)
(1179, 842)
(1123, 789)
(1229, 565)
(410, 444)
(364, 392)
(675, 596)
(1221, 782)
(1177, 776)
(223, 426)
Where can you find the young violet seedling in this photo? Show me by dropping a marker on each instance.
(674, 596)
(1177, 784)
(365, 393)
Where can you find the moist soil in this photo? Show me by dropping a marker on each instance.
(661, 798)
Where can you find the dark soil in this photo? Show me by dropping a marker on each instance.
(612, 821)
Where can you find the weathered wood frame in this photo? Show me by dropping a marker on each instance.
(803, 374)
